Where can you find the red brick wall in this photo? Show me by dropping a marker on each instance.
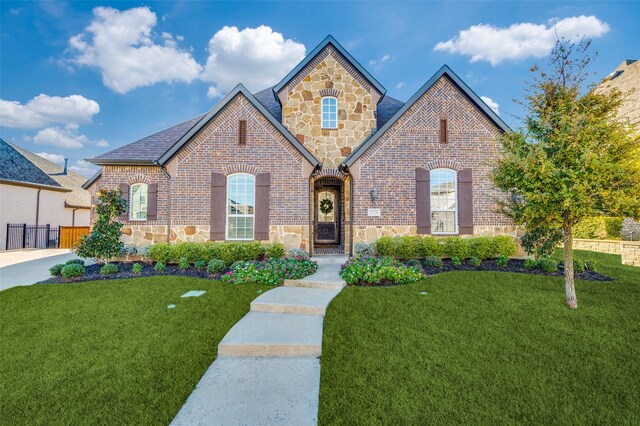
(413, 142)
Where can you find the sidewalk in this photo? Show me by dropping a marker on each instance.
(28, 267)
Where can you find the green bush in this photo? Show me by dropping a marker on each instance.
(75, 262)
(161, 252)
(414, 263)
(273, 251)
(502, 261)
(456, 261)
(379, 270)
(298, 253)
(56, 270)
(109, 269)
(184, 263)
(591, 265)
(160, 267)
(456, 247)
(73, 270)
(228, 251)
(541, 242)
(192, 252)
(613, 226)
(578, 266)
(481, 247)
(599, 227)
(269, 271)
(136, 268)
(547, 265)
(475, 261)
(200, 264)
(433, 262)
(530, 264)
(407, 246)
(385, 246)
(503, 245)
(364, 250)
(215, 266)
(429, 246)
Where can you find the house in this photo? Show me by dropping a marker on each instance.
(626, 78)
(40, 194)
(322, 160)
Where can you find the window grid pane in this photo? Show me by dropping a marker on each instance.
(138, 202)
(240, 207)
(443, 202)
(329, 113)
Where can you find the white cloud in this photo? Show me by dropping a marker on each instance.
(491, 104)
(492, 44)
(400, 85)
(257, 57)
(84, 168)
(67, 137)
(55, 158)
(377, 63)
(44, 110)
(120, 44)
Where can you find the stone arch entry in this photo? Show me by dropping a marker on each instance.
(328, 229)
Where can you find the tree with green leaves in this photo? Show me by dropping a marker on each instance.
(103, 243)
(573, 159)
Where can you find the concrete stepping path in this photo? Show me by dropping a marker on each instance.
(268, 367)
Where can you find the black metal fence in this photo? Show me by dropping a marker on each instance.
(21, 235)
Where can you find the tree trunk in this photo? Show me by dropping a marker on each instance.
(572, 302)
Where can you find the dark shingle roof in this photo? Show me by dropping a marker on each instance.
(386, 108)
(150, 148)
(16, 167)
(268, 100)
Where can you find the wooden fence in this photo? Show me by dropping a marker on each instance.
(70, 235)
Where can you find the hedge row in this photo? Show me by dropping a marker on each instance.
(228, 252)
(600, 227)
(412, 247)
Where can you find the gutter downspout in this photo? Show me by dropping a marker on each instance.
(351, 215)
(73, 216)
(37, 217)
(163, 169)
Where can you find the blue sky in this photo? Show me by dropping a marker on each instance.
(80, 78)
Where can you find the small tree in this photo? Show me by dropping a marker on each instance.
(103, 243)
(574, 158)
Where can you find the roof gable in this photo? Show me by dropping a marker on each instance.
(15, 167)
(329, 41)
(461, 85)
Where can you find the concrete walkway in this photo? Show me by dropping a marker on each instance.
(29, 267)
(268, 367)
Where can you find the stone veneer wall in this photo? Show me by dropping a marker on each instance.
(630, 253)
(413, 142)
(603, 246)
(370, 233)
(329, 75)
(630, 230)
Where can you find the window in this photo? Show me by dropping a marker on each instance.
(444, 202)
(241, 198)
(138, 199)
(329, 112)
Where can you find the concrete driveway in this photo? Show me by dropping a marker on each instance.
(26, 267)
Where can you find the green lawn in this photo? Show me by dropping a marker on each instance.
(485, 348)
(110, 352)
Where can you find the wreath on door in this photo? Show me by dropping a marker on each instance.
(326, 206)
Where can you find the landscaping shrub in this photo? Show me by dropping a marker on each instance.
(415, 263)
(541, 242)
(475, 261)
(503, 245)
(160, 267)
(599, 227)
(433, 262)
(228, 251)
(109, 269)
(75, 262)
(429, 246)
(456, 247)
(128, 251)
(192, 252)
(161, 252)
(379, 270)
(275, 251)
(297, 253)
(406, 247)
(215, 266)
(502, 261)
(56, 270)
(613, 226)
(73, 270)
(385, 246)
(481, 247)
(364, 250)
(578, 266)
(200, 264)
(136, 268)
(547, 265)
(530, 264)
(184, 263)
(456, 261)
(591, 265)
(144, 252)
(269, 271)
(103, 242)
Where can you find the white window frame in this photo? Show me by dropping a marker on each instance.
(322, 113)
(146, 210)
(228, 215)
(455, 210)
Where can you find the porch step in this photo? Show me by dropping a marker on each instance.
(324, 285)
(294, 300)
(330, 259)
(271, 334)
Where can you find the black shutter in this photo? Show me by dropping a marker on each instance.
(465, 201)
(218, 206)
(263, 182)
(423, 202)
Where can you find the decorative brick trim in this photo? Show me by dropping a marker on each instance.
(138, 178)
(241, 168)
(444, 164)
(330, 92)
(329, 173)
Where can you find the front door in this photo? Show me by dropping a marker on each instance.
(327, 216)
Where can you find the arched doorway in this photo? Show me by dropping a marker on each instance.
(328, 213)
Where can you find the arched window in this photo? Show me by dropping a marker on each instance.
(444, 201)
(241, 200)
(139, 200)
(329, 112)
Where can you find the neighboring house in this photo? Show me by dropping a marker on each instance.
(626, 78)
(35, 191)
(322, 160)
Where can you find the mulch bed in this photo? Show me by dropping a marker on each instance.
(514, 265)
(93, 273)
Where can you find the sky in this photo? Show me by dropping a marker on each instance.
(80, 78)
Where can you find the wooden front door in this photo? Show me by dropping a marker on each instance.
(327, 216)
